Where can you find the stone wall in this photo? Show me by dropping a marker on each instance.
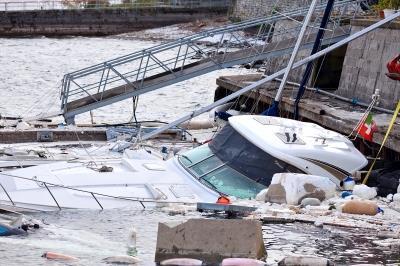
(97, 22)
(245, 9)
(365, 62)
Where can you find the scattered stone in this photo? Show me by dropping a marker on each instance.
(242, 262)
(292, 188)
(396, 197)
(210, 240)
(182, 262)
(389, 197)
(364, 191)
(58, 256)
(319, 223)
(366, 207)
(23, 126)
(121, 259)
(310, 202)
(305, 261)
(262, 195)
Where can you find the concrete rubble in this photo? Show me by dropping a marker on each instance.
(293, 188)
(363, 210)
(210, 241)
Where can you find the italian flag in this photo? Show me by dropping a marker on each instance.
(367, 128)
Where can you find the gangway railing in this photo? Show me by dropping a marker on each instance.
(169, 63)
(257, 84)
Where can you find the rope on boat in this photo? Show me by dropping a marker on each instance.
(375, 99)
(396, 112)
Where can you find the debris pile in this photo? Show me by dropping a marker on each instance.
(317, 200)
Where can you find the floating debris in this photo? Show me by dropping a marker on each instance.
(305, 261)
(182, 262)
(58, 256)
(121, 259)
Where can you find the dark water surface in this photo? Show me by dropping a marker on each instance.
(94, 235)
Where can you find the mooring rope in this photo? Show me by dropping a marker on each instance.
(396, 112)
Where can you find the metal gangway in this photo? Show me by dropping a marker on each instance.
(169, 63)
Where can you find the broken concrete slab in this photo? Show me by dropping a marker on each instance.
(210, 240)
(292, 188)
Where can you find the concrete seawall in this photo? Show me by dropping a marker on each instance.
(96, 22)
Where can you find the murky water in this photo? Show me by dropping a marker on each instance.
(94, 235)
(29, 84)
(33, 68)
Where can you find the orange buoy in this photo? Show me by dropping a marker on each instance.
(57, 256)
(360, 207)
(223, 200)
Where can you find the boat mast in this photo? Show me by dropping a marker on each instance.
(274, 109)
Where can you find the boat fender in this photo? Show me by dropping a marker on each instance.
(242, 262)
(393, 67)
(57, 256)
(365, 207)
(182, 262)
(121, 259)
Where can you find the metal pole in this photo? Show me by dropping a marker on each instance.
(317, 44)
(97, 201)
(295, 50)
(5, 191)
(271, 77)
(51, 194)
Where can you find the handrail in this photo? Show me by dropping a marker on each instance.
(224, 29)
(93, 194)
(126, 75)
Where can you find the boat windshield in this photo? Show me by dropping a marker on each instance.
(232, 165)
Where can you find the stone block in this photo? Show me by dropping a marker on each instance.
(210, 240)
(293, 188)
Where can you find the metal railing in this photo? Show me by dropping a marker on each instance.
(146, 70)
(58, 205)
(108, 4)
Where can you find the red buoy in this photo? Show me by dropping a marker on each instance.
(393, 67)
(223, 200)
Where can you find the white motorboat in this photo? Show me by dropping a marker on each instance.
(240, 161)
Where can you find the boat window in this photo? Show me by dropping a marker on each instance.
(233, 165)
(245, 157)
(231, 182)
(195, 156)
(213, 172)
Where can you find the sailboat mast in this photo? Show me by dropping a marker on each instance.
(289, 67)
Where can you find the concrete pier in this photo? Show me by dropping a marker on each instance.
(364, 65)
(97, 22)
